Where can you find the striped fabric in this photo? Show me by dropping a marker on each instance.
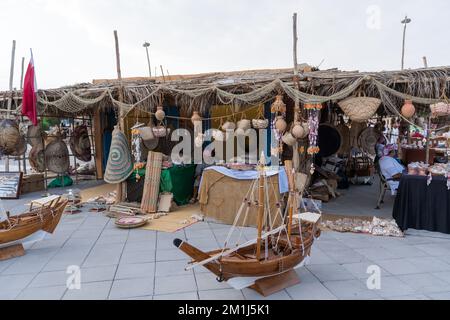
(150, 197)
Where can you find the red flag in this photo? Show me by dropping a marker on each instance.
(29, 94)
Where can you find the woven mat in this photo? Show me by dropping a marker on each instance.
(335, 217)
(174, 221)
(98, 191)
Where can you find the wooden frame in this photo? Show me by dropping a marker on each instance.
(12, 175)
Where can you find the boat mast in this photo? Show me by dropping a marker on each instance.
(261, 203)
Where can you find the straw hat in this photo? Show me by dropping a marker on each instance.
(10, 138)
(35, 136)
(37, 158)
(80, 144)
(344, 131)
(57, 157)
(119, 166)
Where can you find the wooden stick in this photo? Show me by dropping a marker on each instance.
(162, 71)
(260, 212)
(289, 169)
(425, 62)
(120, 194)
(11, 83)
(296, 79)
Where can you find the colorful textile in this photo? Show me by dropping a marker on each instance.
(179, 180)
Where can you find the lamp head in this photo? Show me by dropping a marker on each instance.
(146, 45)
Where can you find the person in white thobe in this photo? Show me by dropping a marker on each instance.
(391, 170)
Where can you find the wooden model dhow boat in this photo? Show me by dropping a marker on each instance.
(276, 250)
(45, 217)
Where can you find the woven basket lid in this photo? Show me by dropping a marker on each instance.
(119, 166)
(80, 144)
(329, 140)
(368, 140)
(10, 138)
(57, 157)
(148, 137)
(355, 131)
(344, 131)
(21, 147)
(37, 158)
(34, 136)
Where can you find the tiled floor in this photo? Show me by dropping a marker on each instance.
(138, 264)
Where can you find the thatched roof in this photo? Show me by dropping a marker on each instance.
(246, 87)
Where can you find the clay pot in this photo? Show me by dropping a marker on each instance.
(298, 131)
(240, 132)
(280, 124)
(229, 126)
(160, 114)
(218, 135)
(408, 109)
(289, 139)
(244, 124)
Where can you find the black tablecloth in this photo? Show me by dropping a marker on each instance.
(422, 207)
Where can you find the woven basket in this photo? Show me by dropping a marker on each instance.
(160, 131)
(368, 140)
(360, 109)
(440, 109)
(260, 123)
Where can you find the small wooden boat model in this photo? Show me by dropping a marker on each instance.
(45, 218)
(275, 252)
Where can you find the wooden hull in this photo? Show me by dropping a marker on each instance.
(243, 263)
(29, 223)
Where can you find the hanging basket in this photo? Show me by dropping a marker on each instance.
(260, 123)
(440, 109)
(160, 131)
(360, 109)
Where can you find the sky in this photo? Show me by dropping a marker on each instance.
(73, 41)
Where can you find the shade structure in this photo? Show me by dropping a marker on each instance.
(119, 166)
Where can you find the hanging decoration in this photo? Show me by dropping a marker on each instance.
(279, 106)
(408, 109)
(313, 124)
(136, 145)
(260, 122)
(298, 131)
(196, 118)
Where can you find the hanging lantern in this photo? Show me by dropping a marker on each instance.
(160, 114)
(196, 118)
(408, 109)
(279, 106)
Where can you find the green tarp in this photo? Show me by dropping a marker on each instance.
(179, 180)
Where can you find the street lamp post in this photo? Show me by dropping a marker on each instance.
(404, 22)
(146, 45)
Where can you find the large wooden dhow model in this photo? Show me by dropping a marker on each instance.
(265, 263)
(15, 229)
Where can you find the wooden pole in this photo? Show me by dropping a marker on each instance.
(425, 62)
(260, 211)
(121, 122)
(291, 199)
(11, 84)
(21, 73)
(428, 138)
(162, 72)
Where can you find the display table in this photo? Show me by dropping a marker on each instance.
(422, 207)
(222, 191)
